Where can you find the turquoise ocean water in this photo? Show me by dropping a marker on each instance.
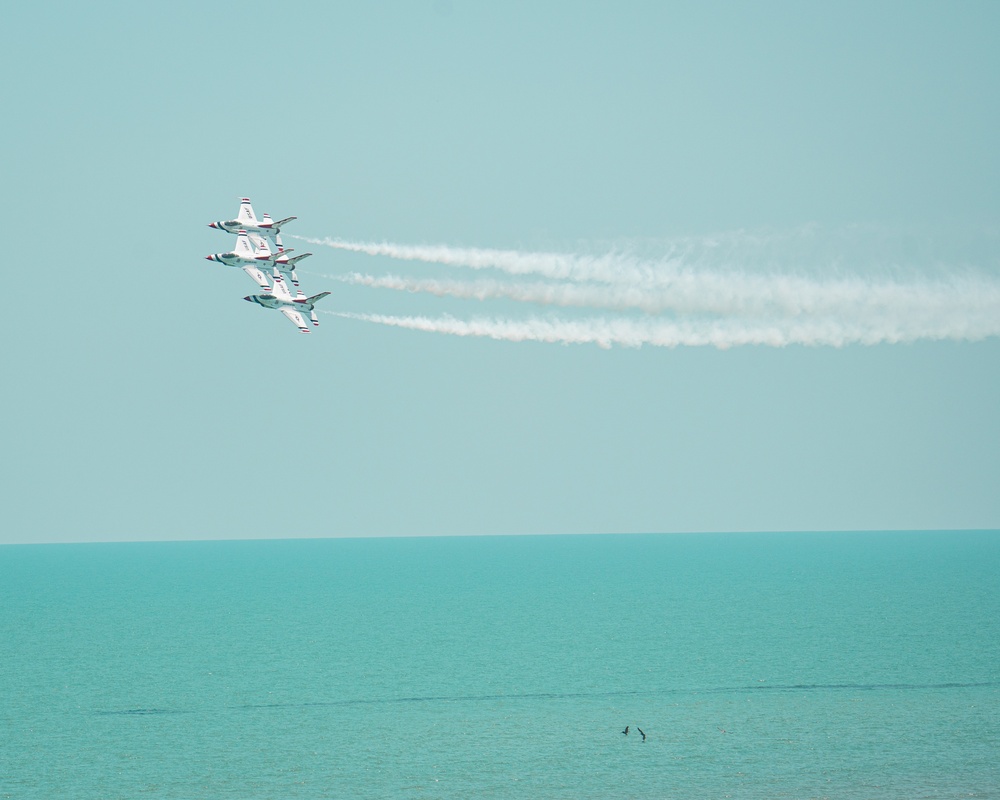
(847, 665)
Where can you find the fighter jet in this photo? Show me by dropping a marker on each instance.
(251, 259)
(293, 308)
(281, 260)
(246, 220)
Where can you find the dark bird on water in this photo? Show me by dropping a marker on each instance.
(643, 735)
(626, 730)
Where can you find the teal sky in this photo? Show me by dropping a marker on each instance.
(144, 400)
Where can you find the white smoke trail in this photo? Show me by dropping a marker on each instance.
(724, 257)
(733, 294)
(722, 333)
(611, 268)
(705, 299)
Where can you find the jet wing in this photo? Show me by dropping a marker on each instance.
(258, 276)
(243, 248)
(246, 214)
(280, 290)
(296, 319)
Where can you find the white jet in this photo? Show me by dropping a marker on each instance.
(281, 261)
(246, 220)
(251, 260)
(294, 308)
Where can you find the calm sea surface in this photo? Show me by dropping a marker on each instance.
(847, 665)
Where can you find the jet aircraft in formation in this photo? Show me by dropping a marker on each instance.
(254, 256)
(292, 307)
(247, 221)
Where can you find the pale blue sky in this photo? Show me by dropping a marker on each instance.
(145, 400)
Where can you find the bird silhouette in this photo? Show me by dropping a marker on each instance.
(643, 735)
(626, 730)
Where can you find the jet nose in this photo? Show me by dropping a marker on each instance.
(248, 299)
(208, 258)
(213, 224)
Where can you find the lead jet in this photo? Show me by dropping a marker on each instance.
(251, 260)
(246, 220)
(294, 308)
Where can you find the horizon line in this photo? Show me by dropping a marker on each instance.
(804, 532)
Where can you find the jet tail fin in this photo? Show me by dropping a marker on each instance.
(261, 246)
(316, 298)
